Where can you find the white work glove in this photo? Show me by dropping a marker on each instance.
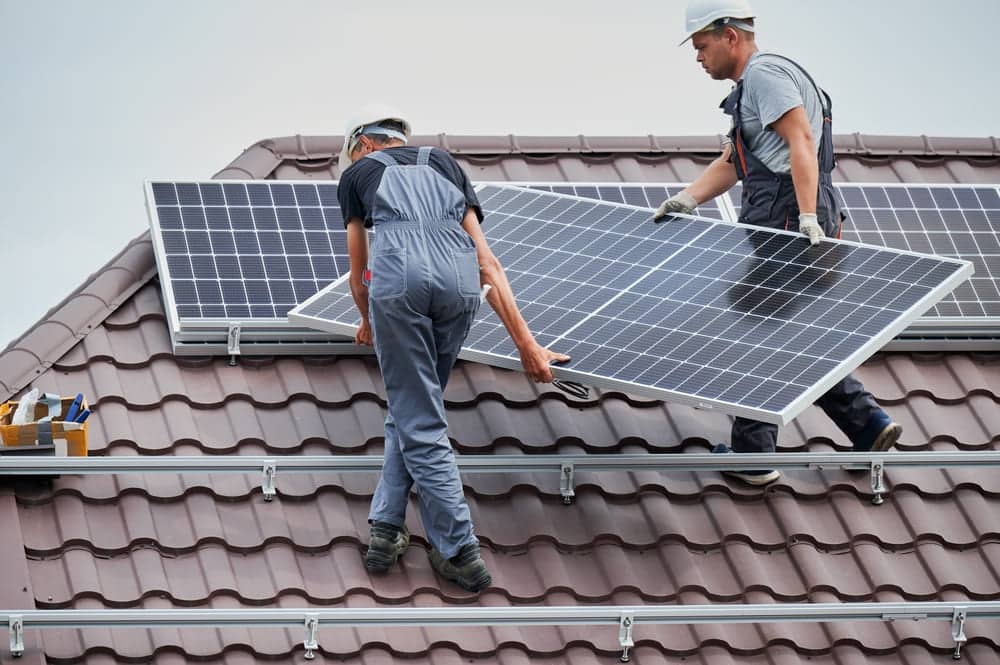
(681, 202)
(809, 227)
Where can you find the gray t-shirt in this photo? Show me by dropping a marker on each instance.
(773, 86)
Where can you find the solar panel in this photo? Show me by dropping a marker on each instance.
(751, 321)
(243, 253)
(959, 221)
(647, 195)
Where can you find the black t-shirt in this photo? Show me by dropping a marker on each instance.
(359, 183)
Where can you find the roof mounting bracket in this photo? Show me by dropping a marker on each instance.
(566, 470)
(625, 635)
(233, 342)
(878, 488)
(267, 486)
(312, 627)
(958, 630)
(15, 625)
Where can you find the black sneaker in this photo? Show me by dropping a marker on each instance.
(388, 543)
(756, 477)
(466, 569)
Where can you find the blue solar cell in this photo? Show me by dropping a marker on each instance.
(276, 268)
(288, 219)
(217, 218)
(306, 195)
(174, 242)
(188, 194)
(328, 194)
(264, 219)
(241, 219)
(211, 194)
(236, 194)
(283, 195)
(164, 194)
(252, 267)
(179, 267)
(233, 291)
(228, 267)
(170, 218)
(204, 267)
(260, 195)
(246, 243)
(222, 242)
(300, 267)
(312, 219)
(193, 218)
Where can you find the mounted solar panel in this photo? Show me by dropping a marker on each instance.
(750, 321)
(958, 221)
(235, 256)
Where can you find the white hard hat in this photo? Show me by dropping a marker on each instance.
(366, 121)
(701, 14)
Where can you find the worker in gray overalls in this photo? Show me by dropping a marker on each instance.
(418, 291)
(781, 149)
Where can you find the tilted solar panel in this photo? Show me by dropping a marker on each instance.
(751, 321)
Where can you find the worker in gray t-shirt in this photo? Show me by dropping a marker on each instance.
(781, 149)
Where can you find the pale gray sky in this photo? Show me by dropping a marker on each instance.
(100, 95)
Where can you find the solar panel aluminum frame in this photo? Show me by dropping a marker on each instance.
(211, 336)
(782, 417)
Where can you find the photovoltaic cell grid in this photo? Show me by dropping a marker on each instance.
(643, 196)
(752, 321)
(246, 251)
(947, 220)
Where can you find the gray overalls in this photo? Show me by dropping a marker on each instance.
(769, 200)
(423, 297)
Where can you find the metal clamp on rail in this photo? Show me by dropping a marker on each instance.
(958, 630)
(15, 625)
(625, 636)
(878, 488)
(312, 627)
(233, 342)
(566, 483)
(268, 486)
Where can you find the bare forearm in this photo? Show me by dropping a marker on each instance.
(360, 294)
(501, 299)
(805, 175)
(719, 177)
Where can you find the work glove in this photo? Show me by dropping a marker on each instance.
(809, 226)
(681, 202)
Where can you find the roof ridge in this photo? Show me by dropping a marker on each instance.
(262, 158)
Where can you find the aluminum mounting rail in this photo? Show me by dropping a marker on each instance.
(625, 617)
(565, 465)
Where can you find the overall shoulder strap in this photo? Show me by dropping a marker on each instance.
(824, 99)
(424, 155)
(380, 156)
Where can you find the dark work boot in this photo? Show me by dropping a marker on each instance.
(388, 543)
(881, 433)
(466, 569)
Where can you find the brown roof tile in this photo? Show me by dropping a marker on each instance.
(209, 540)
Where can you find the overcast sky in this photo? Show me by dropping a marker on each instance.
(99, 96)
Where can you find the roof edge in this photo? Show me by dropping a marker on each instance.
(317, 153)
(79, 313)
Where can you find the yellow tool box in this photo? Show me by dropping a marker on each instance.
(62, 437)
